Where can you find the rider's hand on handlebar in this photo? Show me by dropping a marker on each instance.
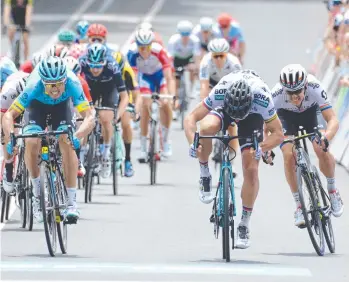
(256, 153)
(268, 157)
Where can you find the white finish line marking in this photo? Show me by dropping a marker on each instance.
(203, 269)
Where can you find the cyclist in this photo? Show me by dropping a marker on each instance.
(58, 51)
(206, 31)
(98, 33)
(7, 67)
(153, 67)
(66, 37)
(184, 48)
(230, 30)
(81, 30)
(157, 36)
(105, 81)
(29, 65)
(297, 97)
(241, 96)
(48, 92)
(13, 86)
(18, 13)
(75, 67)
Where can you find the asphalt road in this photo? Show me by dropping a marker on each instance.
(162, 232)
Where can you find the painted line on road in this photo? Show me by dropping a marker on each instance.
(104, 7)
(124, 268)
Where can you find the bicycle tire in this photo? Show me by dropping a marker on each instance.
(8, 204)
(226, 214)
(28, 195)
(62, 229)
(49, 218)
(116, 161)
(152, 156)
(315, 217)
(22, 197)
(89, 168)
(326, 220)
(17, 53)
(4, 200)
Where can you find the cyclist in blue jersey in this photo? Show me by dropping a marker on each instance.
(7, 67)
(49, 91)
(81, 30)
(106, 84)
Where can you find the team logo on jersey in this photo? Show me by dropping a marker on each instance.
(262, 100)
(313, 85)
(220, 91)
(271, 112)
(208, 102)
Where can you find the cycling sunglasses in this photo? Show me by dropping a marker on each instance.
(52, 84)
(97, 39)
(144, 47)
(184, 34)
(219, 56)
(297, 92)
(98, 65)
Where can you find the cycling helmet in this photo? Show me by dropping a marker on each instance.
(36, 58)
(184, 28)
(21, 85)
(144, 37)
(7, 67)
(96, 53)
(206, 24)
(66, 35)
(238, 100)
(338, 19)
(146, 25)
(58, 51)
(98, 30)
(72, 64)
(293, 77)
(218, 45)
(82, 27)
(52, 69)
(224, 20)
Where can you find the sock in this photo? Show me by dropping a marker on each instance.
(144, 143)
(246, 215)
(71, 196)
(296, 199)
(204, 169)
(106, 152)
(165, 132)
(36, 186)
(330, 184)
(127, 151)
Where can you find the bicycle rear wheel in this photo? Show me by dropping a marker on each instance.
(152, 154)
(5, 205)
(62, 228)
(117, 155)
(90, 168)
(22, 199)
(226, 214)
(326, 214)
(309, 201)
(28, 196)
(48, 211)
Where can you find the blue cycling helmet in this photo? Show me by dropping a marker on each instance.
(96, 53)
(52, 69)
(7, 67)
(66, 35)
(81, 28)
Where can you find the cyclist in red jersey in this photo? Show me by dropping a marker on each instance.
(29, 65)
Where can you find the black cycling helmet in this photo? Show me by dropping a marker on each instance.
(238, 100)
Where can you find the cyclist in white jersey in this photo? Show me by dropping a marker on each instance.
(184, 48)
(206, 31)
(13, 86)
(241, 96)
(297, 98)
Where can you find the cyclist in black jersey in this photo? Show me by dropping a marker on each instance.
(19, 13)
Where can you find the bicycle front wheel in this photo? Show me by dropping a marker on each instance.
(226, 214)
(310, 209)
(117, 155)
(90, 168)
(5, 205)
(28, 196)
(62, 229)
(152, 154)
(48, 208)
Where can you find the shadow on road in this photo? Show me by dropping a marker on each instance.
(305, 255)
(220, 261)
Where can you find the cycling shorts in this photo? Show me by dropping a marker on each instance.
(246, 127)
(109, 96)
(150, 83)
(181, 62)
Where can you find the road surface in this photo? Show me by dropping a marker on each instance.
(162, 233)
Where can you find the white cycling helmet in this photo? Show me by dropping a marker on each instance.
(144, 36)
(72, 64)
(146, 25)
(58, 51)
(218, 45)
(293, 77)
(206, 24)
(37, 57)
(184, 28)
(21, 85)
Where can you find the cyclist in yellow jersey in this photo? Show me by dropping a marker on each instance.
(129, 77)
(18, 13)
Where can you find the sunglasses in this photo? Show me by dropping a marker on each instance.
(50, 84)
(99, 40)
(298, 92)
(144, 47)
(219, 56)
(98, 65)
(185, 34)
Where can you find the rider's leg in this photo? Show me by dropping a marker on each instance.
(8, 169)
(166, 120)
(127, 136)
(26, 45)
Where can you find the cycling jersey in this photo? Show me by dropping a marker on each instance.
(77, 50)
(210, 71)
(178, 50)
(35, 92)
(234, 36)
(315, 95)
(7, 67)
(85, 88)
(27, 66)
(9, 91)
(128, 74)
(262, 102)
(215, 33)
(18, 10)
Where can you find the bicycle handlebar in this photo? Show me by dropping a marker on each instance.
(156, 96)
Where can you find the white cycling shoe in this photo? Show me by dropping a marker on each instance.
(336, 203)
(167, 152)
(299, 220)
(106, 168)
(243, 237)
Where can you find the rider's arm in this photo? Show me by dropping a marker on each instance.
(167, 71)
(204, 88)
(7, 122)
(276, 135)
(204, 76)
(87, 125)
(120, 85)
(196, 115)
(28, 13)
(7, 12)
(332, 123)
